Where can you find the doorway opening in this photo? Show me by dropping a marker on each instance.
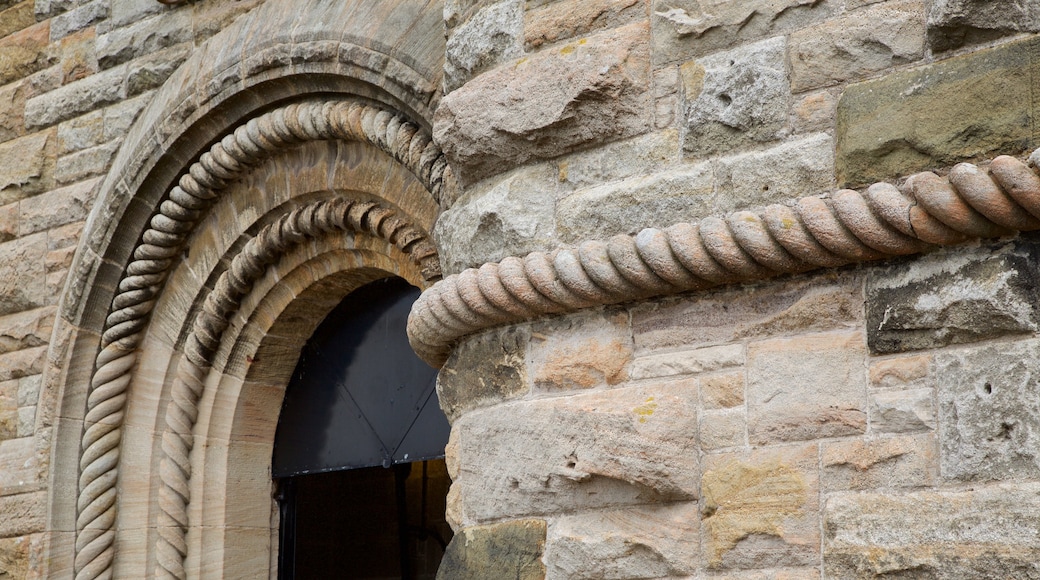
(359, 447)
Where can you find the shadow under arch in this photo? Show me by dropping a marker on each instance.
(364, 72)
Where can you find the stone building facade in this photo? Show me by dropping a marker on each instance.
(718, 289)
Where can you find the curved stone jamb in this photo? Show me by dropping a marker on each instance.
(826, 231)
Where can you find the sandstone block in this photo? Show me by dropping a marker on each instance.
(954, 23)
(761, 508)
(687, 362)
(76, 19)
(989, 415)
(510, 216)
(579, 353)
(625, 207)
(85, 164)
(507, 550)
(721, 429)
(803, 305)
(29, 390)
(902, 372)
(24, 513)
(814, 112)
(623, 446)
(57, 207)
(76, 98)
(889, 462)
(806, 387)
(128, 12)
(22, 284)
(211, 17)
(772, 574)
(143, 37)
(572, 18)
(14, 552)
(735, 98)
(593, 90)
(147, 73)
(12, 110)
(25, 53)
(640, 542)
(28, 166)
(78, 58)
(789, 170)
(987, 533)
(8, 410)
(16, 18)
(643, 154)
(722, 391)
(954, 298)
(25, 329)
(902, 411)
(119, 117)
(491, 36)
(22, 363)
(852, 47)
(81, 133)
(976, 105)
(688, 28)
(484, 370)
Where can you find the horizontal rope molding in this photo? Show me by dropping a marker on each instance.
(824, 231)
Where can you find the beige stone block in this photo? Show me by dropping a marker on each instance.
(721, 429)
(16, 18)
(484, 370)
(792, 169)
(773, 574)
(509, 549)
(58, 207)
(814, 112)
(8, 222)
(580, 352)
(687, 362)
(81, 132)
(572, 18)
(87, 163)
(28, 166)
(760, 508)
(640, 155)
(17, 465)
(78, 57)
(12, 110)
(25, 52)
(22, 363)
(902, 411)
(24, 513)
(722, 391)
(901, 372)
(880, 463)
(15, 557)
(8, 409)
(807, 387)
(639, 542)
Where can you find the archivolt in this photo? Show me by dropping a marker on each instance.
(170, 227)
(813, 232)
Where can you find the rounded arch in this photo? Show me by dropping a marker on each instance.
(281, 79)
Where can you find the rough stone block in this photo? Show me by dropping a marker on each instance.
(641, 542)
(880, 463)
(954, 298)
(28, 166)
(76, 19)
(643, 154)
(22, 363)
(210, 18)
(129, 11)
(986, 533)
(687, 362)
(760, 509)
(491, 36)
(863, 42)
(16, 18)
(599, 449)
(580, 353)
(78, 58)
(572, 18)
(500, 217)
(787, 171)
(771, 574)
(688, 28)
(806, 387)
(29, 390)
(8, 410)
(26, 421)
(954, 23)
(625, 207)
(25, 53)
(24, 513)
(15, 552)
(81, 133)
(901, 372)
(143, 37)
(596, 89)
(787, 307)
(735, 98)
(76, 98)
(976, 105)
(150, 72)
(12, 110)
(119, 117)
(721, 429)
(22, 284)
(989, 414)
(84, 165)
(483, 370)
(25, 329)
(58, 207)
(507, 550)
(722, 391)
(902, 411)
(814, 112)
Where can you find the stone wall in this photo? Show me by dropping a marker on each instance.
(871, 421)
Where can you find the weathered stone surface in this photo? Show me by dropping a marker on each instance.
(24, 514)
(954, 23)
(502, 217)
(552, 102)
(772, 574)
(687, 362)
(119, 117)
(78, 58)
(209, 18)
(12, 110)
(986, 533)
(880, 463)
(18, 458)
(902, 411)
(735, 98)
(865, 41)
(625, 207)
(641, 542)
(571, 18)
(608, 448)
(976, 105)
(806, 387)
(29, 390)
(8, 222)
(8, 410)
(22, 363)
(78, 18)
(143, 37)
(643, 154)
(507, 550)
(901, 372)
(16, 18)
(483, 370)
(147, 73)
(989, 414)
(687, 28)
(22, 275)
(57, 207)
(722, 391)
(28, 166)
(81, 133)
(24, 53)
(14, 552)
(84, 165)
(73, 99)
(25, 329)
(814, 112)
(760, 509)
(790, 170)
(721, 429)
(579, 353)
(954, 298)
(808, 304)
(491, 36)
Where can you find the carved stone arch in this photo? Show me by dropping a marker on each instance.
(318, 83)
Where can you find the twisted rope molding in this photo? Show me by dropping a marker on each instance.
(812, 232)
(153, 257)
(221, 304)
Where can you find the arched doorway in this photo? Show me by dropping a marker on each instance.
(359, 447)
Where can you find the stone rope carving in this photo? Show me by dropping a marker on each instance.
(155, 254)
(813, 232)
(220, 305)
